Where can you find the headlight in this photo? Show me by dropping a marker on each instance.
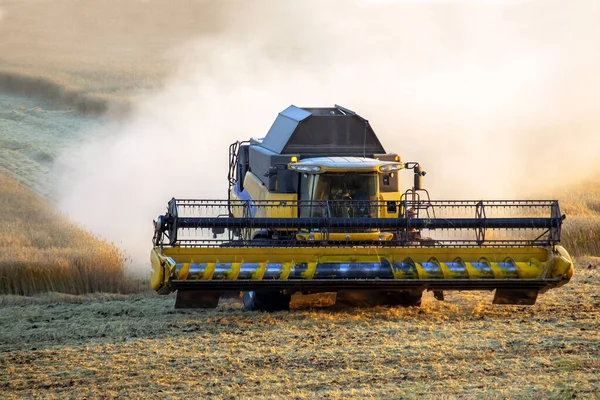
(390, 167)
(304, 168)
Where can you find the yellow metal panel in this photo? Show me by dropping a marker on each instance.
(234, 272)
(157, 275)
(501, 272)
(450, 274)
(258, 191)
(429, 273)
(260, 272)
(395, 254)
(360, 236)
(182, 274)
(478, 273)
(310, 271)
(286, 269)
(561, 265)
(348, 258)
(399, 274)
(423, 263)
(209, 270)
(529, 270)
(388, 196)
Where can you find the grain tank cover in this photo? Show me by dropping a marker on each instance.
(328, 131)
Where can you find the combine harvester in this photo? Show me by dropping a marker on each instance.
(315, 206)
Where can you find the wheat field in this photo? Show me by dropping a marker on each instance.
(42, 251)
(581, 205)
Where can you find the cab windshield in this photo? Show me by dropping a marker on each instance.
(339, 195)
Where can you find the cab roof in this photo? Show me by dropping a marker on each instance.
(328, 130)
(345, 164)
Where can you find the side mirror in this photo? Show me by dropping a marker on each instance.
(271, 172)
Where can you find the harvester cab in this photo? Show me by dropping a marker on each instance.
(316, 206)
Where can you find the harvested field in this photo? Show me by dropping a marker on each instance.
(139, 346)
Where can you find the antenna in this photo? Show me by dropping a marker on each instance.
(365, 140)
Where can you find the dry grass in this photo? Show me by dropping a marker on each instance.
(581, 235)
(581, 229)
(138, 346)
(41, 251)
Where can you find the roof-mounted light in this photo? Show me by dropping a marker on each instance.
(304, 168)
(390, 167)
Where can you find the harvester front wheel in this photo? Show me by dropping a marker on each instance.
(373, 298)
(266, 301)
(404, 299)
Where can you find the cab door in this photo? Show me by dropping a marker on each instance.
(312, 201)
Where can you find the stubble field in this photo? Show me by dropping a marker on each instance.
(136, 346)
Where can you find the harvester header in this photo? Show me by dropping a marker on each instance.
(315, 206)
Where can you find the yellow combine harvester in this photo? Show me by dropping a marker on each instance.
(315, 206)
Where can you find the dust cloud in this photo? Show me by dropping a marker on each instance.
(496, 100)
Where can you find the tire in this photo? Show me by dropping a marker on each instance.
(374, 298)
(404, 299)
(266, 301)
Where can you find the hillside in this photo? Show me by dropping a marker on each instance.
(42, 251)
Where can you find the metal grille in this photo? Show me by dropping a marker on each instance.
(435, 223)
